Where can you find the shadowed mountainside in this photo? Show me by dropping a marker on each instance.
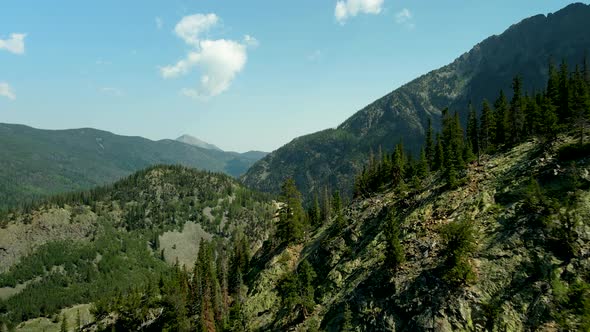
(332, 157)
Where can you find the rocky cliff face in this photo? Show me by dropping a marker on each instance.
(529, 275)
(332, 157)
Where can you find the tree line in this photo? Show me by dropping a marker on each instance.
(563, 106)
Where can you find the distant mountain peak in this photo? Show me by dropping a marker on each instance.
(188, 139)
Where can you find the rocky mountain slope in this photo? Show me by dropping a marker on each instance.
(80, 247)
(525, 214)
(38, 162)
(332, 157)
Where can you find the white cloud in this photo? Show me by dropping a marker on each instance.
(349, 8)
(191, 27)
(7, 91)
(218, 61)
(159, 23)
(111, 91)
(14, 44)
(404, 17)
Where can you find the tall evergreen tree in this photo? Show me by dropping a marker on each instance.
(306, 276)
(398, 164)
(429, 144)
(327, 201)
(548, 123)
(64, 323)
(347, 319)
(78, 321)
(532, 114)
(487, 128)
(394, 255)
(454, 149)
(500, 112)
(297, 289)
(337, 208)
(552, 90)
(563, 103)
(580, 103)
(516, 117)
(439, 153)
(336, 202)
(457, 142)
(450, 171)
(315, 212)
(472, 130)
(423, 165)
(291, 215)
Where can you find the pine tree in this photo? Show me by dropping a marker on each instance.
(394, 255)
(487, 128)
(78, 321)
(438, 161)
(468, 155)
(453, 147)
(472, 130)
(500, 112)
(347, 319)
(306, 276)
(336, 202)
(423, 165)
(291, 215)
(564, 99)
(580, 103)
(516, 116)
(429, 145)
(315, 213)
(64, 323)
(207, 296)
(297, 289)
(548, 129)
(450, 171)
(552, 90)
(398, 164)
(457, 142)
(337, 208)
(459, 244)
(327, 204)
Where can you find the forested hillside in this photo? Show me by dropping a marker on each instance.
(83, 247)
(331, 158)
(487, 230)
(36, 163)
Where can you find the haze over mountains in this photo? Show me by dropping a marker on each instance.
(38, 162)
(332, 157)
(188, 139)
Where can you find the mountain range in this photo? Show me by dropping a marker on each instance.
(331, 158)
(38, 162)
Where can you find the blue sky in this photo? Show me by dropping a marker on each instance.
(240, 74)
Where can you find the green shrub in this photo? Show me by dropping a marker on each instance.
(459, 244)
